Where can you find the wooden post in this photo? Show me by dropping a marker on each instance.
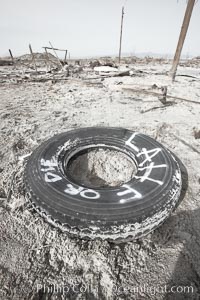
(11, 56)
(182, 36)
(120, 43)
(65, 56)
(33, 58)
(47, 62)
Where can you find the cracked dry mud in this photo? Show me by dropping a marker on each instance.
(36, 260)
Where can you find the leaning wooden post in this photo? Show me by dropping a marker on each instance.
(11, 56)
(33, 58)
(182, 36)
(47, 60)
(120, 43)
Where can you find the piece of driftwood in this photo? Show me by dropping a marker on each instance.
(50, 48)
(186, 75)
(48, 79)
(142, 91)
(186, 144)
(157, 107)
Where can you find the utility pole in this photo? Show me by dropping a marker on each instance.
(120, 43)
(182, 36)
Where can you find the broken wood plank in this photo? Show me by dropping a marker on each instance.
(157, 107)
(50, 48)
(186, 144)
(142, 91)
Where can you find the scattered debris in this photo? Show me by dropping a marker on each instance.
(94, 63)
(32, 252)
(143, 91)
(186, 144)
(189, 76)
(105, 69)
(154, 86)
(169, 103)
(5, 62)
(163, 98)
(196, 133)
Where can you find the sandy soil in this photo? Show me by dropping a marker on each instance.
(101, 168)
(39, 262)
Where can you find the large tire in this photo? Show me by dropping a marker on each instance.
(114, 213)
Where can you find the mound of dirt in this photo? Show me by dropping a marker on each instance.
(40, 59)
(37, 56)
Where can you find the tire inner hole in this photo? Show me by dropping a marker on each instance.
(101, 167)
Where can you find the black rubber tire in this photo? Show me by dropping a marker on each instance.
(118, 213)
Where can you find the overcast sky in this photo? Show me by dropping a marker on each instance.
(91, 27)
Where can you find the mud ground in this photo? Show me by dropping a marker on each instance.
(37, 261)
